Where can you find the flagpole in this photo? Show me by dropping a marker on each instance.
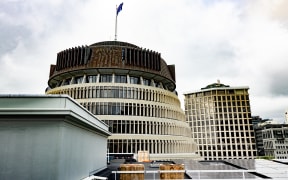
(116, 25)
(118, 9)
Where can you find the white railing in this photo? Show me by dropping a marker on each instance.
(95, 178)
(243, 171)
(154, 172)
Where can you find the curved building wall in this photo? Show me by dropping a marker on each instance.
(136, 97)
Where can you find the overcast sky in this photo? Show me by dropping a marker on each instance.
(239, 42)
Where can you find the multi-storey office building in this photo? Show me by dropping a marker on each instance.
(132, 90)
(258, 123)
(220, 119)
(275, 140)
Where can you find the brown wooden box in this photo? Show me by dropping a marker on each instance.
(171, 167)
(132, 176)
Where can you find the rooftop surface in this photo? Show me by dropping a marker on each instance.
(226, 169)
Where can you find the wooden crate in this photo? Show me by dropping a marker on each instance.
(143, 156)
(132, 167)
(171, 167)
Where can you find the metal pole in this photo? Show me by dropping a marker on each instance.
(108, 156)
(116, 25)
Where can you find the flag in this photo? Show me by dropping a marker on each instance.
(119, 8)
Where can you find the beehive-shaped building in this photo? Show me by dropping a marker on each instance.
(131, 89)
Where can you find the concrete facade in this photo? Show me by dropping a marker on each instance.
(49, 137)
(275, 140)
(220, 119)
(133, 91)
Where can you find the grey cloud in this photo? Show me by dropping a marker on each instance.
(10, 37)
(205, 40)
(278, 83)
(212, 59)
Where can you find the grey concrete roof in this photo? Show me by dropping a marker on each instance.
(26, 104)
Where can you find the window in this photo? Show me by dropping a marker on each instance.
(120, 79)
(134, 80)
(147, 82)
(91, 79)
(78, 80)
(67, 82)
(157, 84)
(105, 78)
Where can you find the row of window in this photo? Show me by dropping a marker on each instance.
(110, 78)
(274, 133)
(272, 145)
(268, 145)
(277, 154)
(282, 142)
(220, 116)
(215, 109)
(153, 146)
(119, 92)
(221, 98)
(235, 148)
(281, 157)
(205, 109)
(225, 134)
(227, 154)
(146, 127)
(228, 123)
(132, 109)
(224, 140)
(218, 92)
(282, 147)
(282, 152)
(217, 104)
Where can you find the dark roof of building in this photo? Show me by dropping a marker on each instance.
(268, 126)
(215, 85)
(108, 57)
(114, 43)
